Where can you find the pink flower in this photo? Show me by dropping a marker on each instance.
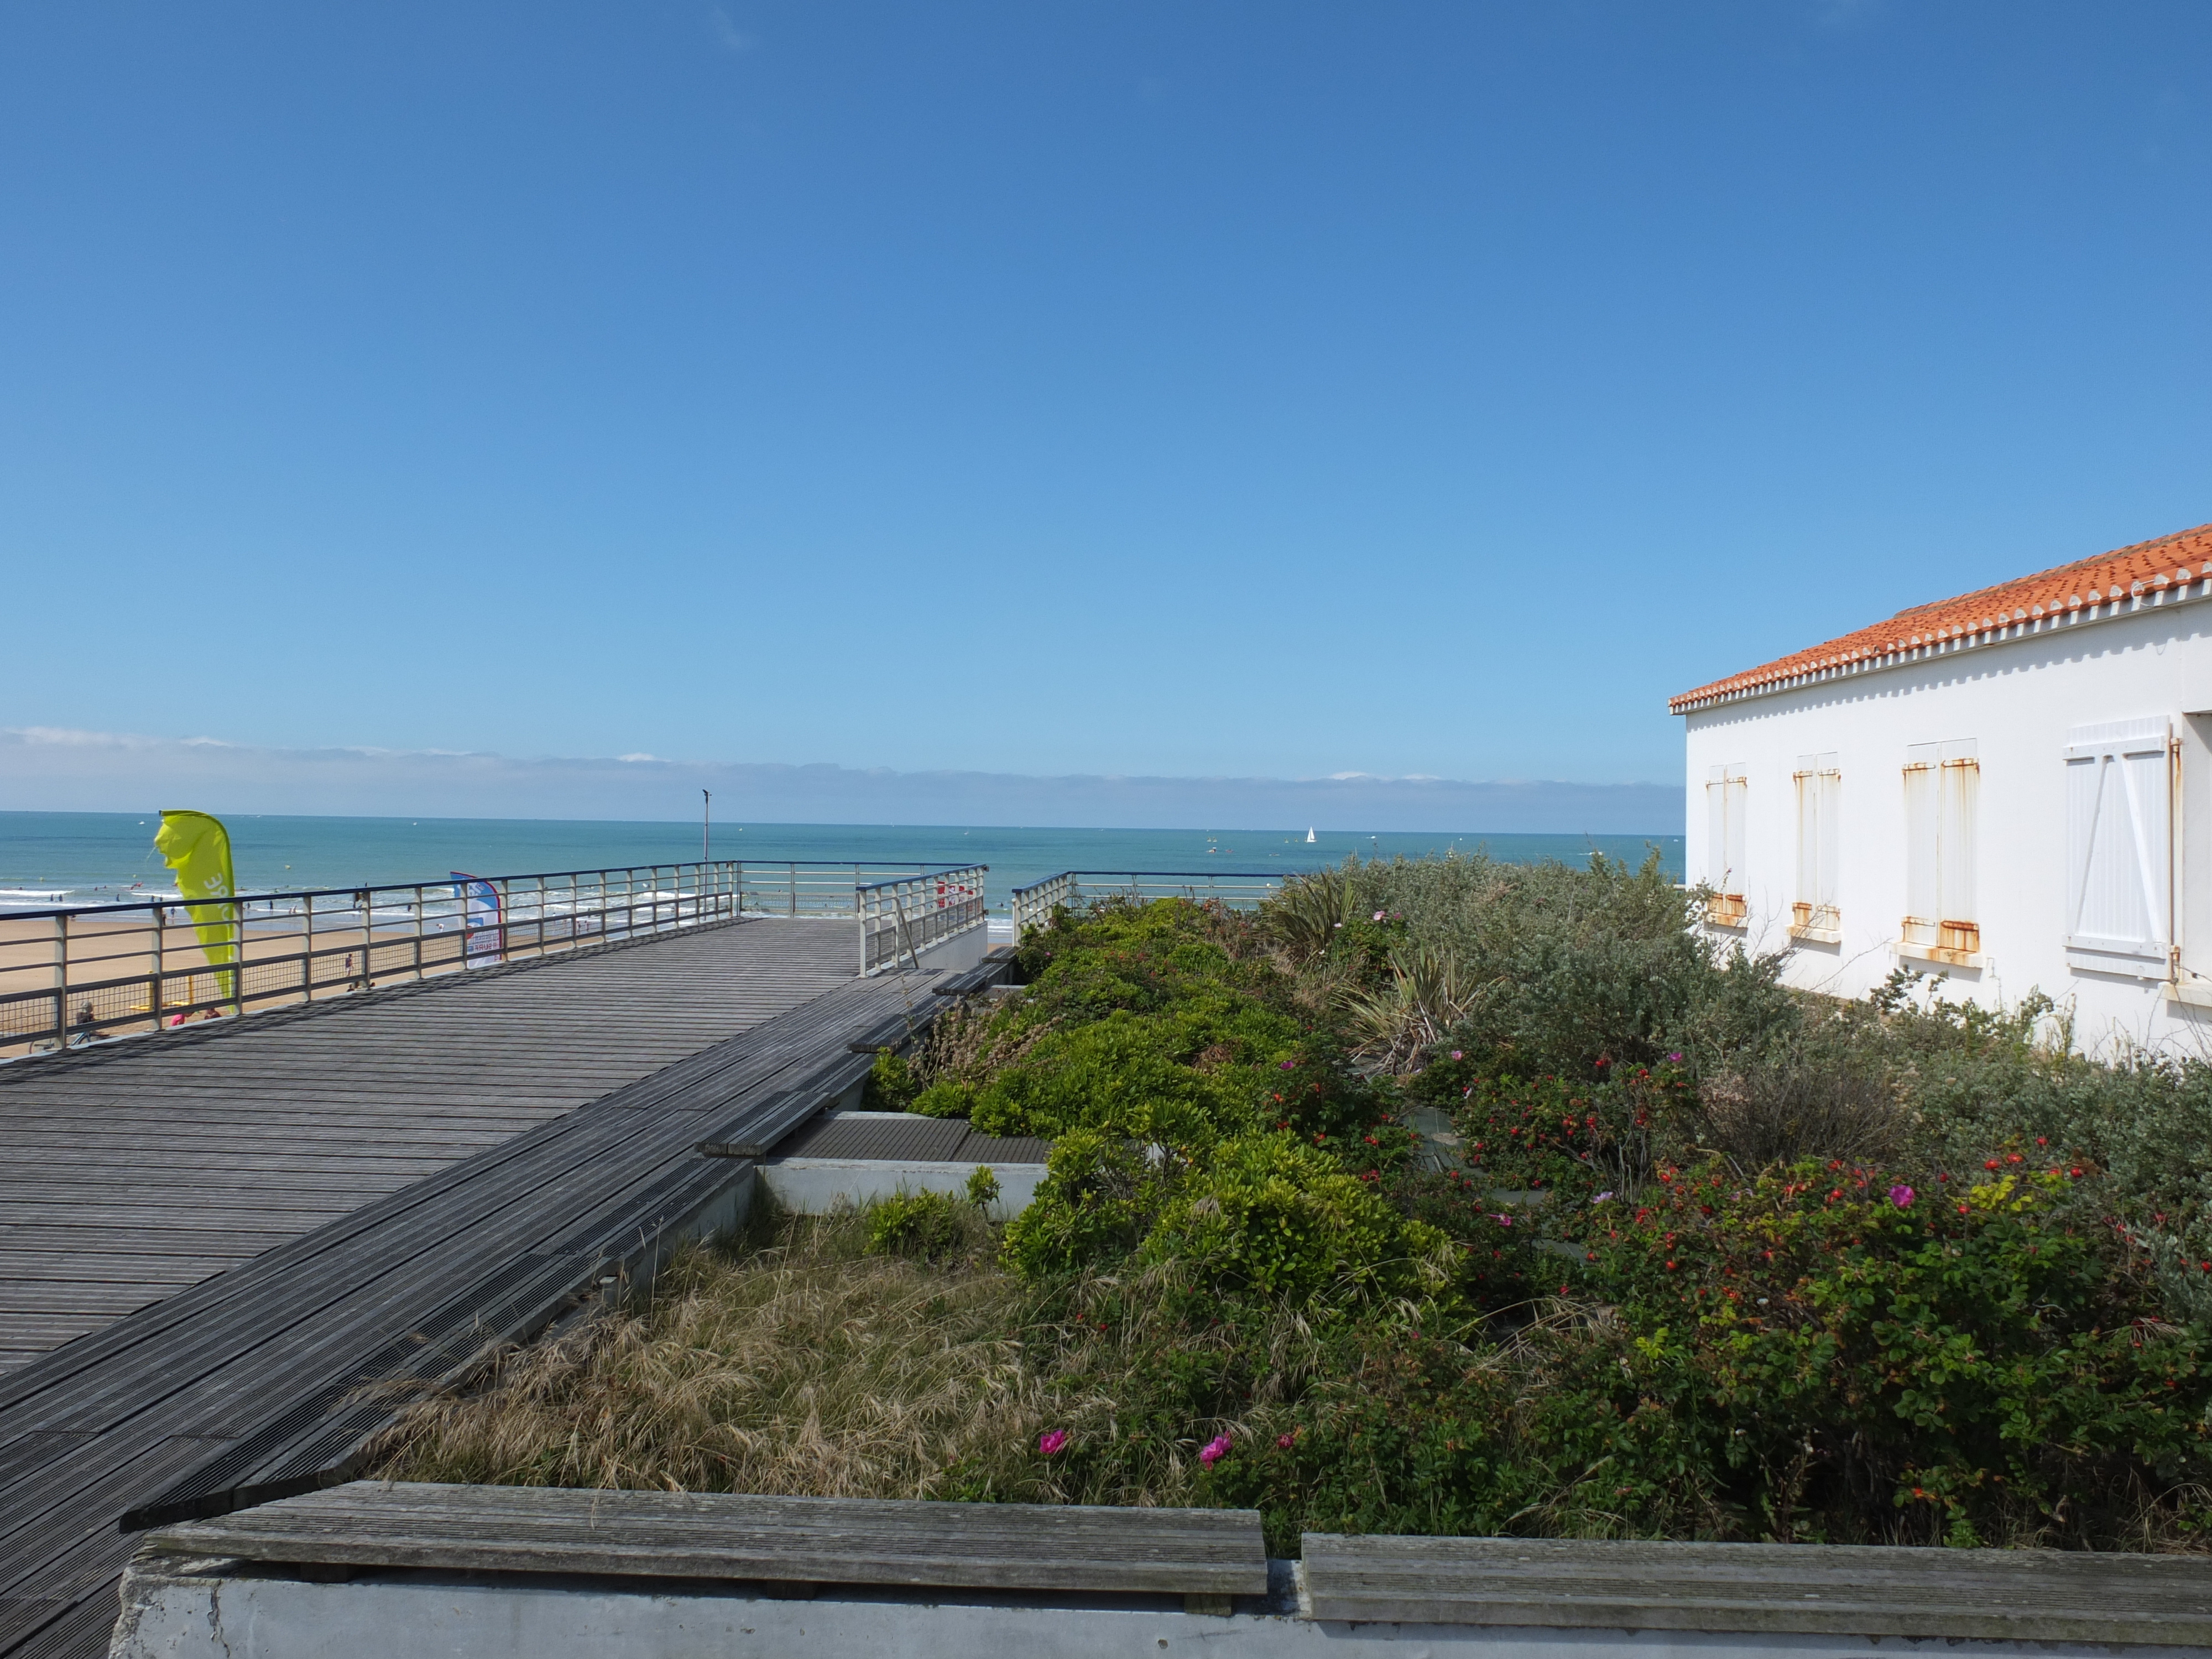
(1901, 1195)
(1214, 1450)
(1052, 1442)
(1283, 1441)
(1378, 916)
(1285, 1064)
(1457, 1055)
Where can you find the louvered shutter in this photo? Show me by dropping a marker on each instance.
(1958, 836)
(1923, 864)
(1808, 780)
(1717, 836)
(1820, 795)
(1831, 779)
(1739, 802)
(2119, 849)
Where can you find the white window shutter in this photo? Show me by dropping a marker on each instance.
(1829, 770)
(1962, 793)
(1923, 877)
(1819, 781)
(1717, 836)
(2119, 849)
(1809, 834)
(1738, 791)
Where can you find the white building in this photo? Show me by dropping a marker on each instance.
(2011, 790)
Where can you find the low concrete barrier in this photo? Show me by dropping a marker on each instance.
(816, 1186)
(856, 1157)
(511, 1573)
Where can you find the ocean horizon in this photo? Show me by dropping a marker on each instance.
(49, 858)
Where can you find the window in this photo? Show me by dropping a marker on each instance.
(1942, 781)
(1820, 781)
(2119, 849)
(1725, 796)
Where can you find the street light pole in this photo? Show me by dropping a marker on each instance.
(706, 826)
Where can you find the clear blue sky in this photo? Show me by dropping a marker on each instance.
(1262, 388)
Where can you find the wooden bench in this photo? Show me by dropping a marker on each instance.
(2049, 1595)
(1204, 1556)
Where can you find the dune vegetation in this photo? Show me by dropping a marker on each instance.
(1456, 1197)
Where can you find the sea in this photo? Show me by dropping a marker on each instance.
(55, 858)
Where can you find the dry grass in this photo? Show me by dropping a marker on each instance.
(804, 1368)
(808, 1367)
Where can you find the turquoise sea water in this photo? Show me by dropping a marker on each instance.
(55, 857)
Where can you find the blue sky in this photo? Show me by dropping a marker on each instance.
(1261, 390)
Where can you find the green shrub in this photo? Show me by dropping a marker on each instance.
(1550, 1134)
(1268, 1217)
(891, 1086)
(946, 1097)
(926, 1224)
(1096, 1203)
(1857, 1357)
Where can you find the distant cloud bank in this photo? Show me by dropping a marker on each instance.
(47, 770)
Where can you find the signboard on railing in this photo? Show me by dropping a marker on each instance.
(483, 934)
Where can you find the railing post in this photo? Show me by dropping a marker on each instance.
(418, 932)
(154, 999)
(61, 979)
(795, 890)
(237, 908)
(308, 976)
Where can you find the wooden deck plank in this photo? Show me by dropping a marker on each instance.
(1863, 1590)
(734, 1535)
(345, 1074)
(384, 1239)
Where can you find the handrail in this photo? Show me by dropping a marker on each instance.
(74, 973)
(902, 918)
(10, 913)
(1033, 905)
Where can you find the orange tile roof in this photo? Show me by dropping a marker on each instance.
(2151, 572)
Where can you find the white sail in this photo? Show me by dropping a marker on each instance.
(1310, 834)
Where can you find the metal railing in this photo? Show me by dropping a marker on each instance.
(902, 918)
(1239, 889)
(74, 974)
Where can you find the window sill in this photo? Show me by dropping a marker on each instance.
(1818, 935)
(1937, 953)
(2118, 965)
(2196, 993)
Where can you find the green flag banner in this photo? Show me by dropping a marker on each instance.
(197, 848)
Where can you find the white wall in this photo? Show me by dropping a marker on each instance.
(2017, 698)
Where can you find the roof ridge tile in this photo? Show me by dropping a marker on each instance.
(2120, 574)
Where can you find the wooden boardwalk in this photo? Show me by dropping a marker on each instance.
(477, 1152)
(132, 1170)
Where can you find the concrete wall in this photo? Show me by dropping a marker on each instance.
(815, 1185)
(2017, 698)
(959, 953)
(177, 1610)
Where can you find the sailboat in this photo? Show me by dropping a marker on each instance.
(1310, 834)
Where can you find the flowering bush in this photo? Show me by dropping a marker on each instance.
(1836, 1346)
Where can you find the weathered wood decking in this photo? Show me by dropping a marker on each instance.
(130, 1172)
(549, 1117)
(726, 1535)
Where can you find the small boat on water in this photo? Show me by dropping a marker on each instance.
(1310, 834)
